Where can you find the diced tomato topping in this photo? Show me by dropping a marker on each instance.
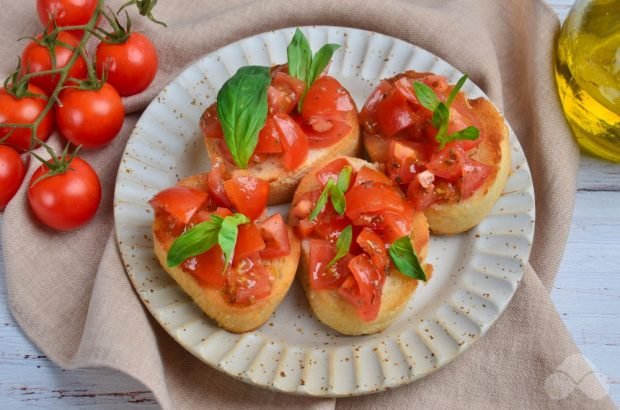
(249, 242)
(405, 87)
(373, 100)
(210, 124)
(325, 131)
(248, 282)
(367, 174)
(331, 171)
(326, 97)
(275, 235)
(284, 92)
(293, 140)
(366, 296)
(208, 267)
(394, 113)
(215, 180)
(397, 224)
(448, 163)
(373, 245)
(248, 194)
(330, 224)
(305, 227)
(406, 159)
(372, 197)
(179, 202)
(474, 175)
(421, 196)
(268, 139)
(321, 277)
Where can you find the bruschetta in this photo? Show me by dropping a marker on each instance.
(240, 279)
(449, 154)
(296, 116)
(349, 245)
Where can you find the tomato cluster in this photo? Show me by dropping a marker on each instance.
(86, 108)
(289, 133)
(180, 208)
(378, 213)
(428, 172)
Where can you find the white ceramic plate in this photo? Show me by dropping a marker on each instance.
(476, 274)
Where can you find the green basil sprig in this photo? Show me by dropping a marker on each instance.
(335, 191)
(204, 236)
(242, 111)
(405, 259)
(343, 244)
(441, 112)
(301, 63)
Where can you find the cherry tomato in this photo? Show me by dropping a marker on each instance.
(180, 202)
(394, 113)
(36, 58)
(294, 141)
(23, 111)
(131, 66)
(215, 180)
(210, 124)
(373, 245)
(248, 281)
(66, 13)
(12, 171)
(474, 175)
(248, 195)
(326, 97)
(275, 235)
(90, 118)
(326, 131)
(320, 276)
(249, 242)
(372, 198)
(68, 200)
(208, 267)
(366, 296)
(269, 139)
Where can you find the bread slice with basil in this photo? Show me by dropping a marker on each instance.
(214, 302)
(461, 214)
(279, 122)
(327, 304)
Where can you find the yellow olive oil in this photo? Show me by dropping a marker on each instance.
(587, 71)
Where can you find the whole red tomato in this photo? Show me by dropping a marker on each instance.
(66, 13)
(90, 118)
(23, 111)
(67, 200)
(131, 65)
(36, 58)
(12, 173)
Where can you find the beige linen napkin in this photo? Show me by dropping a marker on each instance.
(70, 293)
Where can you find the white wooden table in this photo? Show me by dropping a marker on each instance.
(587, 294)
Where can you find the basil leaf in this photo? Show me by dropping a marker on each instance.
(299, 56)
(469, 133)
(197, 240)
(441, 115)
(405, 259)
(456, 89)
(426, 95)
(343, 243)
(322, 201)
(242, 111)
(320, 60)
(344, 178)
(227, 237)
(338, 200)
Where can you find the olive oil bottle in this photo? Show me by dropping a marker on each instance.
(587, 71)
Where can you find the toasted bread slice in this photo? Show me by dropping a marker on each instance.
(282, 182)
(494, 150)
(331, 308)
(214, 303)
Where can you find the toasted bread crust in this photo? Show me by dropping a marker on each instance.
(282, 182)
(456, 217)
(334, 311)
(213, 302)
